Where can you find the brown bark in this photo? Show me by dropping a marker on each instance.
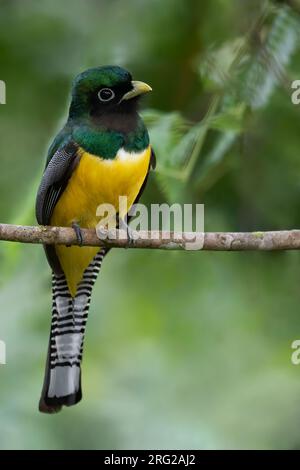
(217, 241)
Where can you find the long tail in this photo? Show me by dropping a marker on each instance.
(62, 383)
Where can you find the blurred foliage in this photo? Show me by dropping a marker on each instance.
(183, 350)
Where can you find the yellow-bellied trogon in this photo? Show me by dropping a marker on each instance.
(102, 153)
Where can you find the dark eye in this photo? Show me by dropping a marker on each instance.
(106, 94)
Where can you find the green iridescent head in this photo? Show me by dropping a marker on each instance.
(104, 90)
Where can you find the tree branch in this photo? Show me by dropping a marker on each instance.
(213, 241)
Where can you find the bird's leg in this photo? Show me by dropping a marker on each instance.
(78, 233)
(124, 226)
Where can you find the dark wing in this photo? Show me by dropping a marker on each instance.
(153, 159)
(151, 165)
(55, 178)
(54, 181)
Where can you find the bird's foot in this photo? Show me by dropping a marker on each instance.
(78, 233)
(124, 226)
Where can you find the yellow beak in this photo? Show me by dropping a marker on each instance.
(139, 88)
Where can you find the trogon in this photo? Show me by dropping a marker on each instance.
(101, 153)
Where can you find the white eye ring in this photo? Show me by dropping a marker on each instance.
(106, 91)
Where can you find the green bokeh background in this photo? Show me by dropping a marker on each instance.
(183, 350)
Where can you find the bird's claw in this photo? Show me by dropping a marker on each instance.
(129, 232)
(78, 233)
(130, 238)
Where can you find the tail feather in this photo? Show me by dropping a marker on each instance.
(62, 384)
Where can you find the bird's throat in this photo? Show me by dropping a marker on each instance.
(104, 136)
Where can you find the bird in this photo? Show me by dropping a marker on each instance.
(102, 152)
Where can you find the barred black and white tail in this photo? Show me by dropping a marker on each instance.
(62, 384)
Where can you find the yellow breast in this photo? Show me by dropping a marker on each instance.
(95, 181)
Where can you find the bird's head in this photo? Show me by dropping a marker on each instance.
(105, 90)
